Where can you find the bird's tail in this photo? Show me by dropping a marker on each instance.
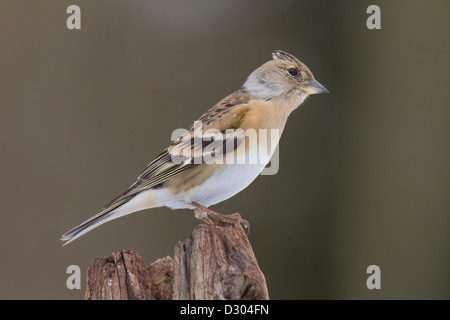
(118, 209)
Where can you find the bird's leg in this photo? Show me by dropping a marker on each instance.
(235, 219)
(200, 214)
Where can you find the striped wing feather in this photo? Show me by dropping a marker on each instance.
(227, 114)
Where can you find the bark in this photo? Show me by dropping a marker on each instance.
(215, 262)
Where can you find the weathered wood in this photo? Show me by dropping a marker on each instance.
(215, 262)
(123, 275)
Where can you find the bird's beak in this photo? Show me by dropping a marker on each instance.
(313, 87)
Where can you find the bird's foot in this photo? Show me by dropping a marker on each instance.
(235, 219)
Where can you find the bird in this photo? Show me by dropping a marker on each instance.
(180, 177)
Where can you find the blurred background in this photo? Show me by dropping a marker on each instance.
(364, 171)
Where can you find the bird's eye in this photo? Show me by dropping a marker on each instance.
(292, 71)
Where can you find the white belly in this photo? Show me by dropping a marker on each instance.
(227, 182)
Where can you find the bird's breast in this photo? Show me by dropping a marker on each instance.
(227, 181)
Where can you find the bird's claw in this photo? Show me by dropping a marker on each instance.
(235, 219)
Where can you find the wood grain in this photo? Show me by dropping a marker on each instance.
(216, 262)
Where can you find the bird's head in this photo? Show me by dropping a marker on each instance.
(283, 76)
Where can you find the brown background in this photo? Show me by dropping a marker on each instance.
(364, 175)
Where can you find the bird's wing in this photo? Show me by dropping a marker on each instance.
(208, 135)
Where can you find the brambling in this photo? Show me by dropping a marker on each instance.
(180, 177)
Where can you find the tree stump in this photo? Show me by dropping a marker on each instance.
(216, 262)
